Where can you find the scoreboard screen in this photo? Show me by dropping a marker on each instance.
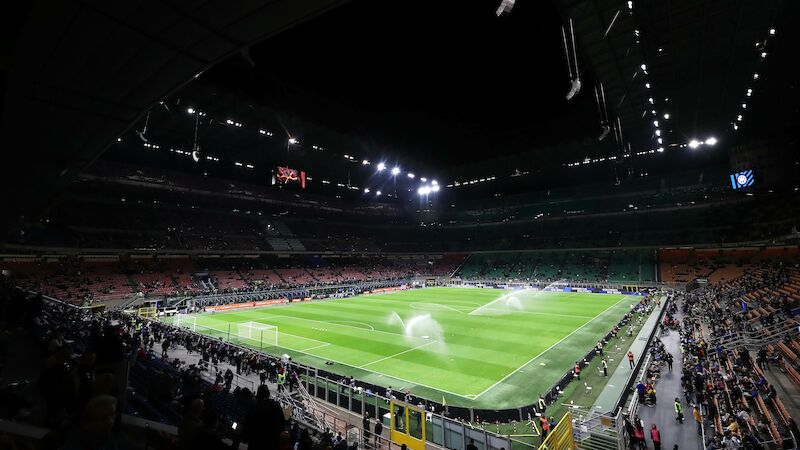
(743, 179)
(286, 175)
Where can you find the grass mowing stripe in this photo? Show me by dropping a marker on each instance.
(549, 348)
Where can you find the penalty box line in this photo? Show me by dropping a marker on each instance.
(551, 347)
(397, 354)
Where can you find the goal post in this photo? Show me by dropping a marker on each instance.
(183, 321)
(257, 334)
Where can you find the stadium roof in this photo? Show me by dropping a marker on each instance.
(439, 84)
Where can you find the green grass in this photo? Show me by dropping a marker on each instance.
(501, 356)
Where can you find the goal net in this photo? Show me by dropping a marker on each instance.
(185, 322)
(258, 334)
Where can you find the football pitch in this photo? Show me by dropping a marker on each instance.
(483, 348)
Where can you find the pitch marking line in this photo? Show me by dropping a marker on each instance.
(398, 354)
(315, 347)
(548, 348)
(342, 322)
(412, 383)
(338, 324)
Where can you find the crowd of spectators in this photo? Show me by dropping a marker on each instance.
(92, 369)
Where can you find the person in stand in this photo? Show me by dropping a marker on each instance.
(378, 431)
(542, 405)
(655, 435)
(577, 370)
(678, 410)
(545, 425)
(604, 364)
(365, 426)
(630, 359)
(281, 380)
(164, 348)
(699, 419)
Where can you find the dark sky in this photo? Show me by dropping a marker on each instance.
(441, 81)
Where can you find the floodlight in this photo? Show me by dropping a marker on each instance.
(660, 149)
(366, 190)
(772, 31)
(630, 4)
(694, 143)
(378, 193)
(658, 132)
(423, 179)
(666, 116)
(655, 123)
(292, 141)
(435, 188)
(647, 85)
(650, 99)
(755, 76)
(395, 170)
(711, 141)
(411, 175)
(735, 127)
(763, 54)
(434, 182)
(424, 190)
(744, 105)
(749, 92)
(381, 166)
(190, 110)
(365, 162)
(643, 66)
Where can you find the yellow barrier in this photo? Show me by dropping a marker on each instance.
(150, 312)
(407, 425)
(560, 437)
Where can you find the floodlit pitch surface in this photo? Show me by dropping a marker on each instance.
(482, 348)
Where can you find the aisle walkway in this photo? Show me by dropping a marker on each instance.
(619, 378)
(663, 414)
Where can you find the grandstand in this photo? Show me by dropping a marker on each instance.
(244, 225)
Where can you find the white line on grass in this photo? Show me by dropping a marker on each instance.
(315, 347)
(414, 383)
(548, 348)
(338, 324)
(342, 322)
(397, 354)
(516, 311)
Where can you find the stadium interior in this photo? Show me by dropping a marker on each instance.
(400, 225)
